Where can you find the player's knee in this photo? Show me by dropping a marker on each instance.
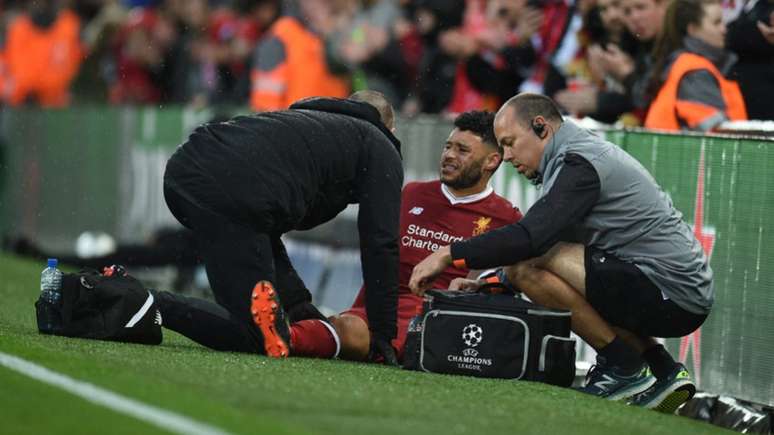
(354, 336)
(521, 273)
(560, 255)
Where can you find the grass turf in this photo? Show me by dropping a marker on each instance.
(244, 393)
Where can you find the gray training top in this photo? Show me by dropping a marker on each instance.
(634, 219)
(599, 195)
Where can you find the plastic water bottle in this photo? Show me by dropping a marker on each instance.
(48, 308)
(51, 283)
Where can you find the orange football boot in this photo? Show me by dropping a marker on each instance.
(269, 316)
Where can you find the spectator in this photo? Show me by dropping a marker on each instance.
(751, 37)
(235, 34)
(141, 47)
(189, 73)
(690, 68)
(557, 19)
(644, 20)
(103, 22)
(603, 30)
(290, 62)
(438, 67)
(367, 48)
(568, 68)
(506, 54)
(43, 52)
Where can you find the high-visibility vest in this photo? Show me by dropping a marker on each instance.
(42, 62)
(666, 109)
(304, 73)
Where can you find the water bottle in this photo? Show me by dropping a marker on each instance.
(51, 293)
(51, 283)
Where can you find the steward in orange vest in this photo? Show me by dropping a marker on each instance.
(695, 94)
(42, 55)
(290, 64)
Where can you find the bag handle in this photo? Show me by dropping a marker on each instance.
(497, 283)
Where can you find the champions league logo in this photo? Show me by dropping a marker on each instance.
(472, 335)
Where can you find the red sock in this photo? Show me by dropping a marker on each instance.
(314, 338)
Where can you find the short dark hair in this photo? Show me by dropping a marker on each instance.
(480, 123)
(379, 101)
(527, 106)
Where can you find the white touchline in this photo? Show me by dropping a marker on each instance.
(168, 420)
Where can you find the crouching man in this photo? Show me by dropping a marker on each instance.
(603, 241)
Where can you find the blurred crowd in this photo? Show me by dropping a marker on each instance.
(610, 60)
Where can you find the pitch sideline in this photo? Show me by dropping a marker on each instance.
(164, 419)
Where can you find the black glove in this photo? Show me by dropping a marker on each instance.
(381, 349)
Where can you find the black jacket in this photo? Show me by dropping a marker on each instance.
(298, 168)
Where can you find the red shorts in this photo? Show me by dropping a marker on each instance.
(408, 307)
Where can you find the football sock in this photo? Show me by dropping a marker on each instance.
(619, 354)
(660, 361)
(314, 338)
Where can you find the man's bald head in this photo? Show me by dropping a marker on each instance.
(527, 106)
(379, 101)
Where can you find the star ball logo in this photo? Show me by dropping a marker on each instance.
(472, 335)
(470, 360)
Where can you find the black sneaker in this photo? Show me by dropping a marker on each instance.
(608, 382)
(667, 394)
(269, 316)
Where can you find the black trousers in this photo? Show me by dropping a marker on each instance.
(207, 323)
(236, 256)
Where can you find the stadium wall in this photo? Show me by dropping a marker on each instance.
(100, 168)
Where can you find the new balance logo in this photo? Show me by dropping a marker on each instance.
(606, 384)
(416, 211)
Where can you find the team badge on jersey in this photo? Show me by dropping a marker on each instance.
(481, 225)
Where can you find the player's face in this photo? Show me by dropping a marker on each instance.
(521, 146)
(462, 160)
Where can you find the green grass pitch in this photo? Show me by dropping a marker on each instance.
(249, 394)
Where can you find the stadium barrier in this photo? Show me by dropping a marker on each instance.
(100, 168)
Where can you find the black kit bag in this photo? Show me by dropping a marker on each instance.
(491, 335)
(109, 306)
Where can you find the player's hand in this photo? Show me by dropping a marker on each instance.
(382, 348)
(425, 273)
(465, 284)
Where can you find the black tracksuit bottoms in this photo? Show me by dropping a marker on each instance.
(236, 256)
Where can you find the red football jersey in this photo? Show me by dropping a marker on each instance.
(431, 217)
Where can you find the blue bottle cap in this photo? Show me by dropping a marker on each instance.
(52, 262)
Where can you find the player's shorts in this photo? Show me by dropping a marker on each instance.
(408, 307)
(626, 298)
